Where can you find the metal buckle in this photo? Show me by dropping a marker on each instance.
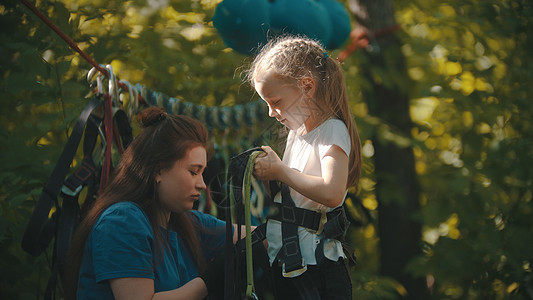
(67, 191)
(323, 220)
(253, 296)
(296, 272)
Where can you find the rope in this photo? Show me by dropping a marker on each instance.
(65, 37)
(246, 193)
(221, 118)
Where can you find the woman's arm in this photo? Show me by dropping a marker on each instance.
(328, 189)
(143, 289)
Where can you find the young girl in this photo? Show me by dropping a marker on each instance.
(141, 239)
(305, 91)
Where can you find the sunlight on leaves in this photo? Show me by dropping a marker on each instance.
(367, 150)
(420, 31)
(422, 109)
(370, 202)
(500, 71)
(431, 143)
(467, 119)
(369, 231)
(452, 68)
(483, 128)
(194, 32)
(420, 167)
(431, 236)
(447, 10)
(512, 287)
(367, 184)
(416, 74)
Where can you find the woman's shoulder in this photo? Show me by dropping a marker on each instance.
(124, 207)
(201, 216)
(206, 220)
(125, 212)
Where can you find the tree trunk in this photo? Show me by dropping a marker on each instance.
(397, 189)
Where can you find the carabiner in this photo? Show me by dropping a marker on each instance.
(90, 76)
(113, 90)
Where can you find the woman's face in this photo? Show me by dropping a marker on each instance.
(180, 186)
(286, 101)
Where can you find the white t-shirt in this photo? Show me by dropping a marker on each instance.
(304, 153)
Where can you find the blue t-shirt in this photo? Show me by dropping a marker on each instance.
(121, 244)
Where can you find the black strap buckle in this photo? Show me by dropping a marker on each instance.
(292, 263)
(295, 270)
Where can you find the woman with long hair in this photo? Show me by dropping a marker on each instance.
(141, 239)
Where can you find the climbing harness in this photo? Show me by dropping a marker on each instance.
(330, 225)
(58, 209)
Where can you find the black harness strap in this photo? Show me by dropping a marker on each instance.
(85, 175)
(33, 240)
(289, 256)
(302, 217)
(334, 228)
(64, 221)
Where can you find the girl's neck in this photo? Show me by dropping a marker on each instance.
(312, 122)
(309, 124)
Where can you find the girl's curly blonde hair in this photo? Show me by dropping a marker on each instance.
(296, 57)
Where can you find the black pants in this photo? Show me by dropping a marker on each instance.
(328, 281)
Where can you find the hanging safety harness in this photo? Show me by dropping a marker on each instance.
(45, 225)
(331, 225)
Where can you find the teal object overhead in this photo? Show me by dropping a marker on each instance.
(305, 17)
(242, 23)
(340, 22)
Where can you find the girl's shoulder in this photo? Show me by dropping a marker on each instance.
(334, 123)
(330, 128)
(333, 132)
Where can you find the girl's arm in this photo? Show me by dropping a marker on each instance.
(328, 189)
(143, 288)
(243, 232)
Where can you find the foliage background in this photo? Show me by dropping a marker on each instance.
(472, 67)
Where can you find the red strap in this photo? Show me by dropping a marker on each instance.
(360, 39)
(108, 119)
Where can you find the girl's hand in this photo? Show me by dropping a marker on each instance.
(268, 165)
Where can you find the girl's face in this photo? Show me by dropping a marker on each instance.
(179, 187)
(285, 99)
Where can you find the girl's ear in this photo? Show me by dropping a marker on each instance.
(308, 85)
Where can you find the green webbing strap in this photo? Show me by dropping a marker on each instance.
(246, 194)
